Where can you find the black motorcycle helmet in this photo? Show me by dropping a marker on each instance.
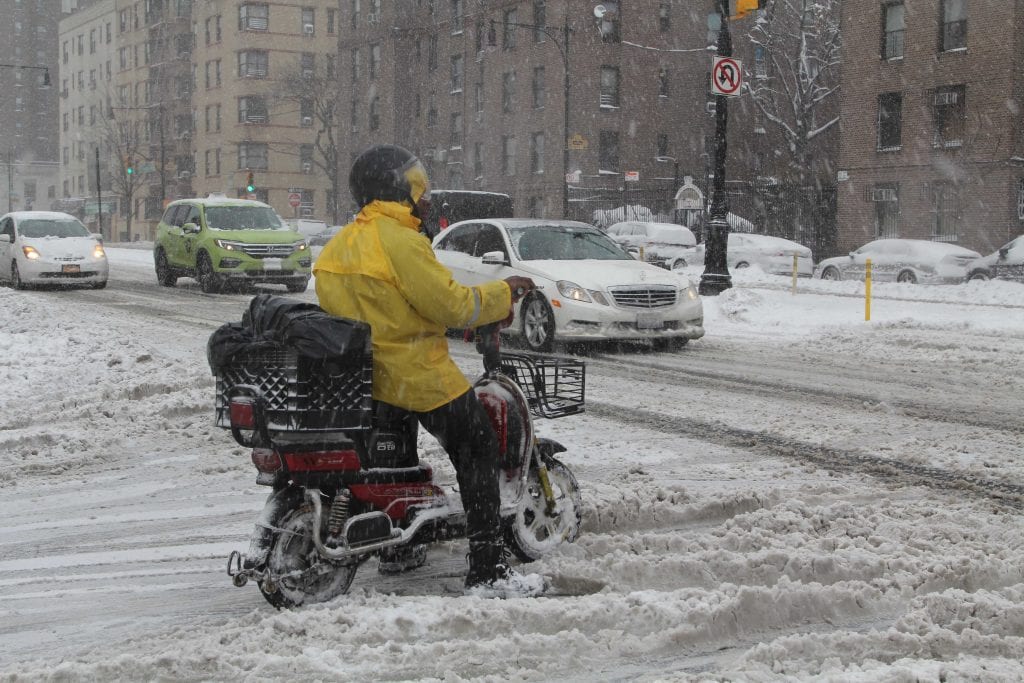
(389, 173)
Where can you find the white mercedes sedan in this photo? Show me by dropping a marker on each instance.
(588, 288)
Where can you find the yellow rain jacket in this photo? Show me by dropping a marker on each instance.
(381, 270)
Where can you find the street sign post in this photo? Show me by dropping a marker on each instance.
(632, 176)
(294, 199)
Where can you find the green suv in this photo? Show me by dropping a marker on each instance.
(221, 242)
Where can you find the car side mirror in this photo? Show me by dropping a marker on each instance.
(1004, 252)
(98, 236)
(494, 258)
(190, 228)
(852, 254)
(5, 238)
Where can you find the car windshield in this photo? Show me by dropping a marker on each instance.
(242, 218)
(52, 227)
(564, 243)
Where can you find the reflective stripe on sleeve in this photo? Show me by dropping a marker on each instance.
(476, 307)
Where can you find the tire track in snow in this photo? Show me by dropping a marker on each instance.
(830, 458)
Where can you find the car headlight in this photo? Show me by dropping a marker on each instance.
(301, 246)
(571, 290)
(97, 251)
(689, 293)
(31, 253)
(228, 245)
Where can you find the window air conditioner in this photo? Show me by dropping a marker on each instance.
(307, 167)
(373, 17)
(308, 29)
(307, 120)
(883, 194)
(184, 175)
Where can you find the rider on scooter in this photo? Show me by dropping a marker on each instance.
(379, 269)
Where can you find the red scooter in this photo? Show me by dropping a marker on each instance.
(347, 482)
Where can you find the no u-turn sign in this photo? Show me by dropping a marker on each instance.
(726, 76)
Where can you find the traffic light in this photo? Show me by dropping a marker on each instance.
(129, 167)
(745, 7)
(250, 183)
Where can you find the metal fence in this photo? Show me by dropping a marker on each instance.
(804, 215)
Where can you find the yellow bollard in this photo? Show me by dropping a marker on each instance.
(794, 273)
(867, 289)
(641, 253)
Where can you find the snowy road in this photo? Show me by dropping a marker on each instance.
(799, 494)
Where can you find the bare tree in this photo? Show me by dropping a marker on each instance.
(119, 135)
(312, 91)
(795, 83)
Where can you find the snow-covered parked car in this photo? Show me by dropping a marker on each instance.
(588, 288)
(50, 248)
(902, 260)
(1005, 264)
(663, 244)
(771, 254)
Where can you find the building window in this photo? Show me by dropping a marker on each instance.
(535, 207)
(252, 109)
(330, 21)
(252, 64)
(537, 153)
(455, 132)
(308, 21)
(1020, 199)
(431, 111)
(508, 84)
(306, 112)
(662, 82)
(355, 64)
(252, 156)
(432, 53)
(609, 86)
(608, 24)
(508, 38)
(478, 162)
(953, 34)
(540, 19)
(479, 97)
(355, 14)
(893, 25)
(949, 112)
(307, 64)
(458, 16)
(457, 66)
(608, 151)
(508, 154)
(945, 212)
(886, 198)
(539, 88)
(890, 121)
(662, 145)
(760, 62)
(375, 113)
(253, 18)
(664, 16)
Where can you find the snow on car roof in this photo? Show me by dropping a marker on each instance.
(219, 201)
(38, 215)
(768, 240)
(928, 247)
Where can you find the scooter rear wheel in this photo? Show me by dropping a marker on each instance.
(532, 532)
(302, 576)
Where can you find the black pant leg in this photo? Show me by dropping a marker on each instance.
(464, 430)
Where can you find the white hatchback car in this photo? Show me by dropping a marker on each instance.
(50, 248)
(902, 260)
(663, 244)
(588, 288)
(771, 254)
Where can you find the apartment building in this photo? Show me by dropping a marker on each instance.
(265, 91)
(931, 144)
(28, 109)
(85, 79)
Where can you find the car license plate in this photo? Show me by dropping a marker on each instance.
(648, 320)
(71, 268)
(271, 264)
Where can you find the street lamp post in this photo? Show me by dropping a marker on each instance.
(563, 47)
(715, 279)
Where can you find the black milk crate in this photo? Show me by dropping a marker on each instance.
(553, 386)
(300, 393)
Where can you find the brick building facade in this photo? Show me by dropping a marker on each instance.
(931, 102)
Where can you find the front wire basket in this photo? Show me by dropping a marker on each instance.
(553, 386)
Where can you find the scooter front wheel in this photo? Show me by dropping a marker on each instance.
(535, 530)
(297, 575)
